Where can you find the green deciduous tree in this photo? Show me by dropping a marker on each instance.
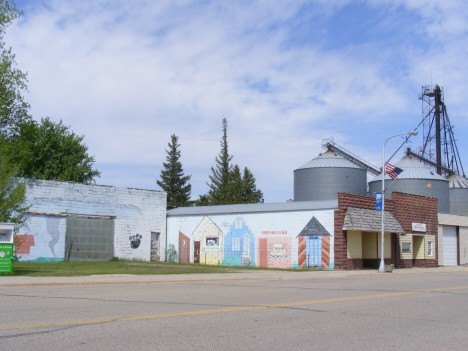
(13, 108)
(12, 193)
(50, 151)
(173, 181)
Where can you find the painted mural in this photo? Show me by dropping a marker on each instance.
(208, 243)
(274, 240)
(184, 248)
(311, 245)
(45, 239)
(239, 245)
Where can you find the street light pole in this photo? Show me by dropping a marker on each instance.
(382, 240)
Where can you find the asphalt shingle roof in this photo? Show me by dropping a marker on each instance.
(370, 221)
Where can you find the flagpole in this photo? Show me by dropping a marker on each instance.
(382, 238)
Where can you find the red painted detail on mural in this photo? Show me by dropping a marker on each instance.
(325, 252)
(301, 251)
(262, 249)
(26, 242)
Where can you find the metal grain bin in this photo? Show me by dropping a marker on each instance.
(458, 195)
(327, 175)
(415, 179)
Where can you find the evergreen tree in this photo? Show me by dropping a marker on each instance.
(219, 193)
(172, 176)
(237, 186)
(250, 192)
(227, 185)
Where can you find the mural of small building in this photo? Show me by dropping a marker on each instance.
(74, 221)
(208, 243)
(239, 247)
(314, 245)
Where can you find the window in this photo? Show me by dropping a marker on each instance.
(430, 252)
(212, 241)
(235, 244)
(406, 247)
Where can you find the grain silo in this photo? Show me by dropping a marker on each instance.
(415, 179)
(458, 194)
(327, 175)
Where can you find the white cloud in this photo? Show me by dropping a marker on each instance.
(129, 74)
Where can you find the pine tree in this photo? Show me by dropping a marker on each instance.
(172, 176)
(237, 186)
(219, 193)
(250, 192)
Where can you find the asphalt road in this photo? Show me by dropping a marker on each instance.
(423, 311)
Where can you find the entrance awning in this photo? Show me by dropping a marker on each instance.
(370, 221)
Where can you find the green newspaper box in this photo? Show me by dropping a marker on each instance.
(6, 247)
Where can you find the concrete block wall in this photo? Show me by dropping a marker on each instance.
(274, 228)
(135, 211)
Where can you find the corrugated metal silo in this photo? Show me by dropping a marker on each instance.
(415, 179)
(458, 194)
(327, 175)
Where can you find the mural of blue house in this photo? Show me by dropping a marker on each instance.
(310, 244)
(239, 245)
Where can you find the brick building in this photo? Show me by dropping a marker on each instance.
(410, 239)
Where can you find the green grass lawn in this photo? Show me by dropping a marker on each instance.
(65, 269)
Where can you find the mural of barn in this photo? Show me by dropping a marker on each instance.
(207, 243)
(239, 245)
(313, 245)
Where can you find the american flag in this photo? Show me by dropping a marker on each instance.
(392, 171)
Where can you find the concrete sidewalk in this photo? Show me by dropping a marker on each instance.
(19, 281)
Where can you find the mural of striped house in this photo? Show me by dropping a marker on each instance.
(314, 245)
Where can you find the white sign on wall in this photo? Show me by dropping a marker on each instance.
(418, 227)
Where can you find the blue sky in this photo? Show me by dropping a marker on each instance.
(285, 74)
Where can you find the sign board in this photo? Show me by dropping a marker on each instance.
(378, 201)
(418, 227)
(6, 258)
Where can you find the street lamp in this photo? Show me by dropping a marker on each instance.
(382, 247)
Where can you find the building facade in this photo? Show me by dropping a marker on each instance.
(283, 235)
(411, 235)
(74, 221)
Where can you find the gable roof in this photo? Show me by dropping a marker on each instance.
(314, 228)
(370, 221)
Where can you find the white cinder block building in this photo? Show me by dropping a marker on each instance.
(75, 221)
